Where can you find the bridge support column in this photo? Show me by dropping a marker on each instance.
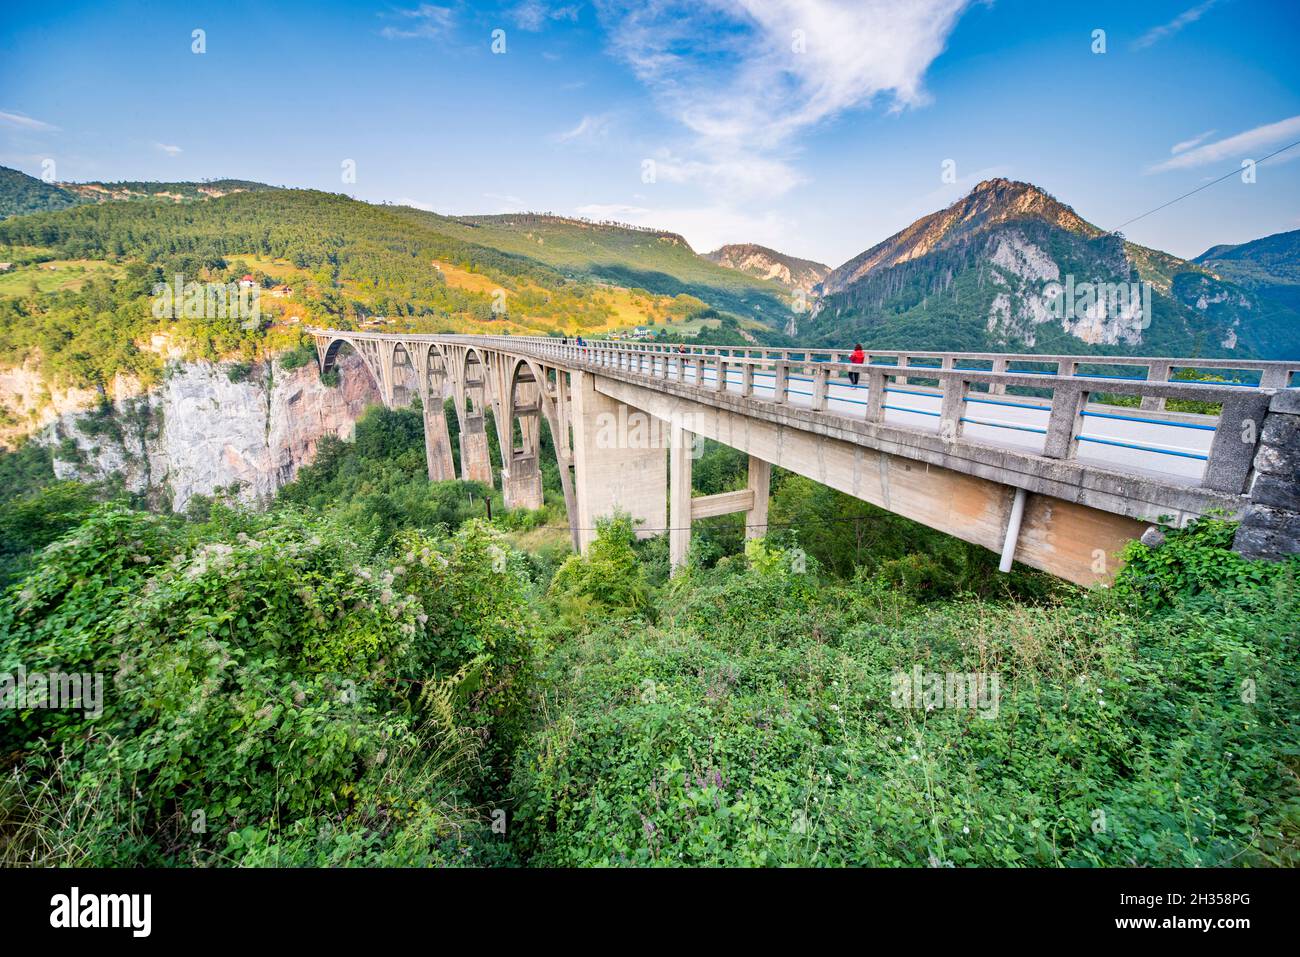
(475, 463)
(521, 487)
(760, 481)
(437, 442)
(616, 468)
(679, 492)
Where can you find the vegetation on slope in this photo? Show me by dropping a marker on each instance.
(335, 682)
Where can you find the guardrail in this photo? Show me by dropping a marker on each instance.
(774, 376)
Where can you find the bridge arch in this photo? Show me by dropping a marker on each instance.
(328, 356)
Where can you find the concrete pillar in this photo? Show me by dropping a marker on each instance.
(609, 475)
(475, 462)
(437, 442)
(760, 481)
(521, 487)
(679, 492)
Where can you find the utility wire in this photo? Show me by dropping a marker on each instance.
(1201, 187)
(640, 528)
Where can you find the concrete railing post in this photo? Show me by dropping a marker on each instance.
(1063, 423)
(1000, 367)
(875, 394)
(782, 382)
(1233, 447)
(953, 407)
(1156, 372)
(821, 385)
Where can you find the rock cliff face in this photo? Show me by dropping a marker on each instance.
(199, 432)
(769, 264)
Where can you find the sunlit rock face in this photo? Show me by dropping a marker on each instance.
(200, 433)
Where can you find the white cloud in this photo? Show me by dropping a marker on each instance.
(1236, 147)
(1156, 34)
(531, 15)
(27, 123)
(747, 78)
(168, 149)
(589, 128)
(426, 22)
(1197, 140)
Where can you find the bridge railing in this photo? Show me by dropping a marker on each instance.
(1055, 404)
(1265, 374)
(1072, 393)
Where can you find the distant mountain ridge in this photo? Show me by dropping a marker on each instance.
(766, 263)
(983, 274)
(989, 204)
(988, 272)
(21, 194)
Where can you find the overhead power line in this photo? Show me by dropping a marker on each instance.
(1171, 202)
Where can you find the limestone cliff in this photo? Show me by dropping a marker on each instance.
(200, 431)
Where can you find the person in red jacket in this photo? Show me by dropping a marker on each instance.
(857, 358)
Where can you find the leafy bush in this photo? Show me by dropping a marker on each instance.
(303, 699)
(755, 724)
(608, 579)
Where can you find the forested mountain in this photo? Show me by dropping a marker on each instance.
(21, 194)
(767, 263)
(657, 261)
(981, 275)
(1270, 269)
(334, 260)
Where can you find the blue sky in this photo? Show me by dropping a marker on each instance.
(815, 127)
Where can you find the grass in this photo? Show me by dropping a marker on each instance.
(55, 275)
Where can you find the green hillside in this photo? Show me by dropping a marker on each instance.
(1270, 269)
(345, 261)
(657, 261)
(21, 194)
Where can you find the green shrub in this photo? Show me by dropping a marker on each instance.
(608, 579)
(310, 698)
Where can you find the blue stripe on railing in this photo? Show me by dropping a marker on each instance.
(1143, 448)
(900, 408)
(1006, 425)
(1013, 405)
(1137, 418)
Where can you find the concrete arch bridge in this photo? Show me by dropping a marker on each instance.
(1054, 461)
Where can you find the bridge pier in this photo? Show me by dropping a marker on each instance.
(475, 462)
(760, 482)
(683, 509)
(521, 487)
(679, 493)
(616, 468)
(437, 442)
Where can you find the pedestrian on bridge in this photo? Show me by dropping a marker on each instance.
(857, 358)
